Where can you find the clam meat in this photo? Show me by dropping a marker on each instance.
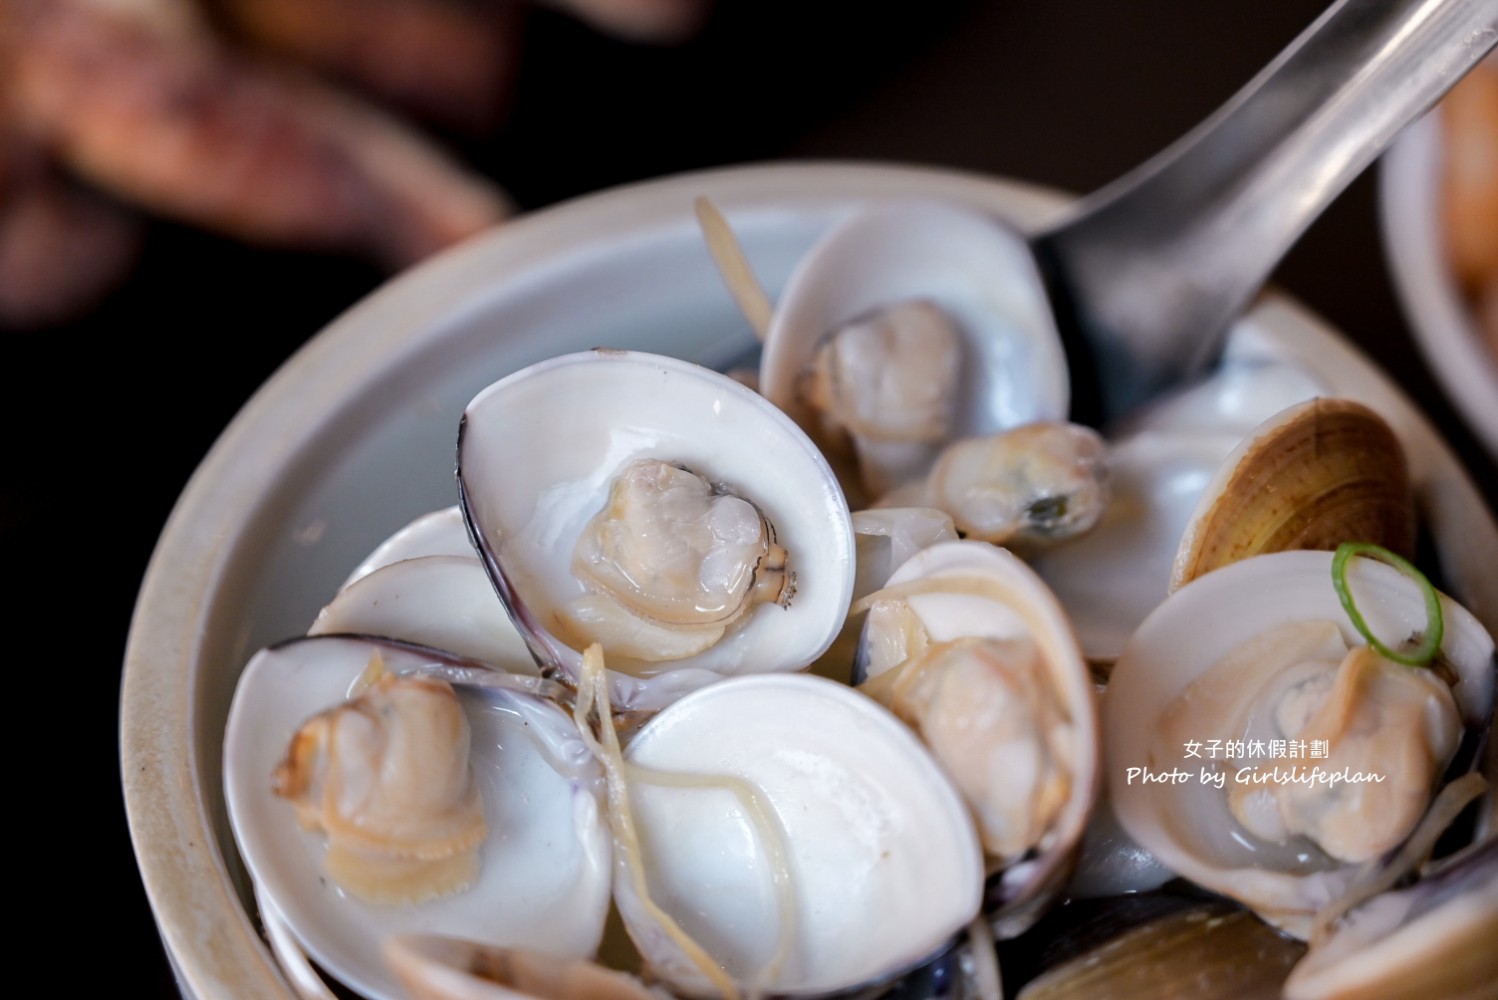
(889, 375)
(508, 819)
(386, 776)
(677, 518)
(1035, 484)
(967, 646)
(671, 562)
(1258, 747)
(901, 330)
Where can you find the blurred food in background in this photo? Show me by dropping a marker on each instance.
(444, 61)
(287, 123)
(1470, 191)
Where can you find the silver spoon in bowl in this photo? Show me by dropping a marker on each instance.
(1144, 277)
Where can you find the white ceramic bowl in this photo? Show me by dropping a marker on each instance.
(356, 435)
(1443, 321)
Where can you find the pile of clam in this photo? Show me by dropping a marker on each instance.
(652, 712)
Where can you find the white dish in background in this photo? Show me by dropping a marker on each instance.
(1444, 323)
(355, 436)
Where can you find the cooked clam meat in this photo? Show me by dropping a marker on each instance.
(1384, 719)
(671, 562)
(1265, 747)
(965, 644)
(1041, 482)
(397, 785)
(889, 375)
(902, 329)
(386, 776)
(987, 711)
(1301, 682)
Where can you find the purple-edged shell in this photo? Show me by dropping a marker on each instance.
(539, 453)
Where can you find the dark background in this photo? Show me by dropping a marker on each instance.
(108, 416)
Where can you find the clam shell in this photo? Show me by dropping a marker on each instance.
(1017, 894)
(883, 860)
(1014, 369)
(442, 601)
(1186, 823)
(886, 537)
(538, 450)
(1434, 938)
(1315, 475)
(438, 533)
(1111, 578)
(544, 868)
(1194, 949)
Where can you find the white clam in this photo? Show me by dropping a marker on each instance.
(437, 967)
(1006, 373)
(1112, 577)
(1154, 708)
(1430, 939)
(436, 533)
(969, 646)
(445, 601)
(540, 454)
(887, 537)
(864, 861)
(544, 866)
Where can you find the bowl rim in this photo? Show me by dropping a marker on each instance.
(210, 937)
(1443, 323)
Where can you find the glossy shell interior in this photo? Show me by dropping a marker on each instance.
(538, 454)
(551, 861)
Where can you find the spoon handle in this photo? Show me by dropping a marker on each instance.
(1150, 270)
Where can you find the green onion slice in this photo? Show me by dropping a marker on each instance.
(1430, 643)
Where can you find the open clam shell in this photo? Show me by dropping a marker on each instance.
(1180, 815)
(438, 967)
(879, 865)
(436, 533)
(1013, 369)
(539, 450)
(967, 590)
(443, 601)
(544, 867)
(1433, 938)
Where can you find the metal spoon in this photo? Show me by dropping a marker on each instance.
(1145, 275)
